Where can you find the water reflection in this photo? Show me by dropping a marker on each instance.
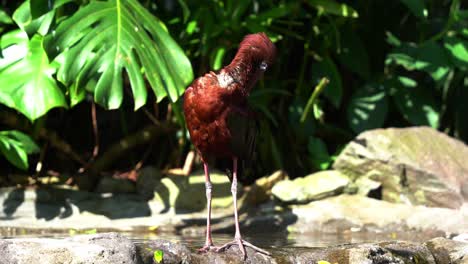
(293, 240)
(264, 240)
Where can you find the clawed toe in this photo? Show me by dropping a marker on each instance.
(242, 244)
(207, 248)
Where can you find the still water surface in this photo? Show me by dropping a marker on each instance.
(284, 240)
(264, 240)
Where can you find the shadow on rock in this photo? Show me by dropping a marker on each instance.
(11, 203)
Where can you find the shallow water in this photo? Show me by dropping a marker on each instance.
(294, 240)
(263, 240)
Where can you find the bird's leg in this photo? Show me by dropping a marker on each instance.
(237, 237)
(208, 242)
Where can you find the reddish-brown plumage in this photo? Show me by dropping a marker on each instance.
(220, 122)
(212, 98)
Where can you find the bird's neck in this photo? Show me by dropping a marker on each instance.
(242, 71)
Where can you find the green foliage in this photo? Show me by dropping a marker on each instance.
(16, 146)
(389, 63)
(26, 76)
(91, 47)
(333, 7)
(62, 51)
(158, 255)
(367, 108)
(102, 39)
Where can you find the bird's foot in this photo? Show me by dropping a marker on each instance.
(206, 248)
(242, 244)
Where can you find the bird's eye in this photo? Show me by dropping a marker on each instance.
(263, 66)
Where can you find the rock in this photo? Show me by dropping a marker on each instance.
(414, 165)
(115, 248)
(187, 194)
(312, 187)
(115, 185)
(347, 212)
(173, 252)
(448, 251)
(148, 178)
(98, 249)
(461, 237)
(368, 253)
(260, 191)
(62, 208)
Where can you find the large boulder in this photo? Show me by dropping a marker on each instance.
(310, 188)
(98, 249)
(187, 194)
(355, 212)
(112, 248)
(448, 251)
(417, 165)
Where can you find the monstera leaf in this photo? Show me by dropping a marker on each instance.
(16, 146)
(104, 38)
(26, 81)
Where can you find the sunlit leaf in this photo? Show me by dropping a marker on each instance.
(368, 108)
(102, 39)
(416, 104)
(25, 21)
(191, 27)
(158, 256)
(333, 7)
(458, 49)
(5, 18)
(417, 7)
(218, 58)
(16, 146)
(260, 22)
(429, 57)
(26, 76)
(318, 153)
(392, 39)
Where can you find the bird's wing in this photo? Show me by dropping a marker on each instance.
(243, 127)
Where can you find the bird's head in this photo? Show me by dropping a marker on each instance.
(258, 50)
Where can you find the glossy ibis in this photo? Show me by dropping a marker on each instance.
(219, 120)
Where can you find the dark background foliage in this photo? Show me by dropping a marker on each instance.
(389, 63)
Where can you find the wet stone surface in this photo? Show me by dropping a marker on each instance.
(116, 248)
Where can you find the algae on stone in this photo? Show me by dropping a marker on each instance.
(416, 165)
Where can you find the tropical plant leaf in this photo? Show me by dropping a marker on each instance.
(334, 8)
(23, 18)
(104, 38)
(26, 82)
(429, 57)
(458, 49)
(5, 18)
(16, 146)
(42, 7)
(318, 153)
(217, 58)
(368, 108)
(416, 104)
(417, 7)
(261, 22)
